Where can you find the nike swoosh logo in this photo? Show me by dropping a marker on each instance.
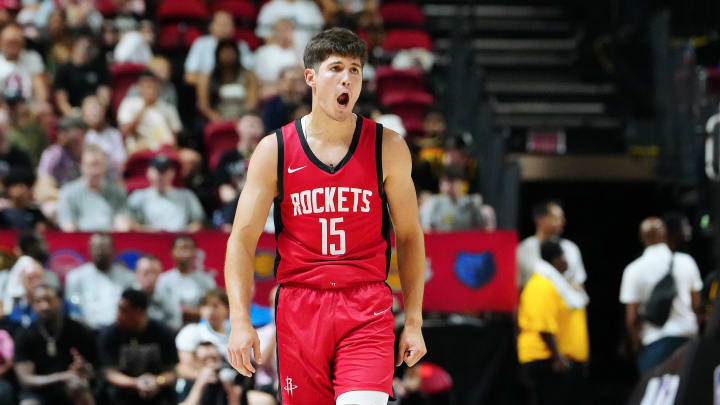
(295, 169)
(381, 312)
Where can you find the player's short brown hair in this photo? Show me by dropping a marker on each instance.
(334, 41)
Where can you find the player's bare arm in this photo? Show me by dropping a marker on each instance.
(400, 191)
(252, 211)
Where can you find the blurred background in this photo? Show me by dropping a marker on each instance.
(542, 132)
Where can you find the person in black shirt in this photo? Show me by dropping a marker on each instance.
(54, 356)
(82, 76)
(138, 355)
(22, 214)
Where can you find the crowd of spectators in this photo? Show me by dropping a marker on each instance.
(76, 135)
(107, 124)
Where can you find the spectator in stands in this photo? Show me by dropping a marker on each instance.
(59, 164)
(292, 91)
(216, 383)
(549, 222)
(137, 355)
(22, 72)
(452, 209)
(657, 343)
(54, 357)
(21, 213)
(55, 42)
(200, 59)
(104, 136)
(28, 129)
(132, 46)
(233, 164)
(186, 283)
(83, 75)
(92, 203)
(11, 156)
(305, 14)
(32, 276)
(7, 355)
(95, 287)
(278, 53)
(146, 121)
(162, 69)
(162, 207)
(31, 247)
(164, 309)
(214, 327)
(230, 90)
(553, 344)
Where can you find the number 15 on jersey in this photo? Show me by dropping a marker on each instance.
(333, 231)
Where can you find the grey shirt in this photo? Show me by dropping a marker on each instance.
(172, 211)
(448, 215)
(163, 308)
(97, 293)
(187, 289)
(90, 210)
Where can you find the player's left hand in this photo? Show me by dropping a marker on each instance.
(412, 346)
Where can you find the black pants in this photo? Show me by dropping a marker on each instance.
(552, 388)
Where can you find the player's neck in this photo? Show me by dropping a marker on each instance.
(321, 127)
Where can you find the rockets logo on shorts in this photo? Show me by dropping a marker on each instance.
(289, 387)
(331, 217)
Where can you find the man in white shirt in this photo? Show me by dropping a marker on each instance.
(96, 287)
(22, 73)
(146, 121)
(278, 54)
(306, 16)
(549, 222)
(655, 343)
(201, 57)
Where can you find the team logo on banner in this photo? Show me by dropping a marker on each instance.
(475, 270)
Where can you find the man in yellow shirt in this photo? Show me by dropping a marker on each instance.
(553, 344)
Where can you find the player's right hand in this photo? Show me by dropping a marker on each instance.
(243, 337)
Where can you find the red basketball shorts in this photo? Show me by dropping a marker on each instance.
(333, 341)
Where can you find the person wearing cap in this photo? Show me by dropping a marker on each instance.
(92, 203)
(59, 163)
(22, 213)
(163, 207)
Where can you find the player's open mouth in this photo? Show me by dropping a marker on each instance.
(343, 99)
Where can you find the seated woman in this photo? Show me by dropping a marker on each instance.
(229, 91)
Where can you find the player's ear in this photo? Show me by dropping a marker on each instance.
(310, 77)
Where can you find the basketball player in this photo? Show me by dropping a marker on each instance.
(335, 178)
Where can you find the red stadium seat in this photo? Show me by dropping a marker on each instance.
(135, 176)
(122, 76)
(391, 80)
(248, 36)
(402, 15)
(243, 10)
(182, 10)
(218, 139)
(399, 39)
(105, 7)
(410, 106)
(177, 36)
(434, 379)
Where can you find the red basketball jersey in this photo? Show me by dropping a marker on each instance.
(331, 222)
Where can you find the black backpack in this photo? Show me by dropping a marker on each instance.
(658, 306)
